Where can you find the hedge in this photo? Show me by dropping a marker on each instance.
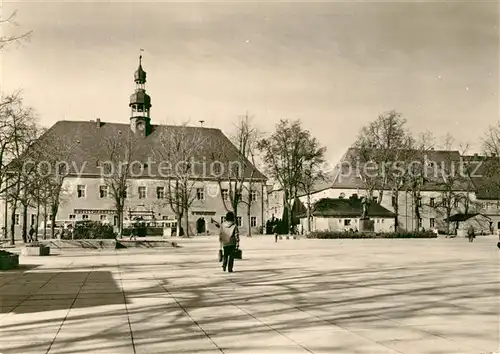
(144, 231)
(358, 235)
(92, 230)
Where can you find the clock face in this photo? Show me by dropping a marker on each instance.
(140, 126)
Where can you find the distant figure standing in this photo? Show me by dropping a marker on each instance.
(471, 233)
(275, 232)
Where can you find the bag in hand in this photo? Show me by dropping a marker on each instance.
(220, 255)
(237, 254)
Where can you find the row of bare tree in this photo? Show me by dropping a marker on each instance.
(24, 182)
(183, 147)
(402, 161)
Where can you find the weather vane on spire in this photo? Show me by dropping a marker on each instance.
(140, 55)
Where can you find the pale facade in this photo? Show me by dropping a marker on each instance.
(431, 217)
(86, 199)
(320, 223)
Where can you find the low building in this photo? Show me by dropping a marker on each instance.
(343, 214)
(433, 201)
(479, 222)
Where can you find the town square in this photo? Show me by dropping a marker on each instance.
(295, 296)
(249, 177)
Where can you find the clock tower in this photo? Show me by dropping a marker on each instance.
(140, 104)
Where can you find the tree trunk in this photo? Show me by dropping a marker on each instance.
(25, 223)
(289, 217)
(45, 220)
(308, 212)
(178, 224)
(53, 209)
(186, 220)
(13, 222)
(119, 212)
(396, 211)
(37, 220)
(249, 217)
(416, 209)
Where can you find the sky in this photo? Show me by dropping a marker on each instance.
(335, 66)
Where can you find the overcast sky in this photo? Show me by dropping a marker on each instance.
(334, 65)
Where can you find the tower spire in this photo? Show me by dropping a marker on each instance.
(140, 102)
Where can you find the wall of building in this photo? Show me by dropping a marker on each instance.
(91, 206)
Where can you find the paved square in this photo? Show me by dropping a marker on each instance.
(296, 296)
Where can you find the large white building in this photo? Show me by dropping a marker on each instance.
(86, 195)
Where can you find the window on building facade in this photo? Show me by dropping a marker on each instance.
(164, 217)
(16, 219)
(253, 196)
(419, 201)
(225, 194)
(253, 221)
(432, 222)
(222, 219)
(160, 192)
(104, 217)
(432, 201)
(72, 216)
(103, 191)
(142, 192)
(239, 221)
(347, 222)
(382, 221)
(200, 194)
(85, 217)
(80, 191)
(115, 220)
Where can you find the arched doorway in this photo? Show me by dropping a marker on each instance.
(200, 226)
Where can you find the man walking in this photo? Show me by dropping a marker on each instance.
(471, 234)
(230, 241)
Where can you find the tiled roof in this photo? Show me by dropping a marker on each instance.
(348, 208)
(348, 170)
(486, 179)
(90, 147)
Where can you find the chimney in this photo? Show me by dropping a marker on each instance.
(98, 122)
(201, 123)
